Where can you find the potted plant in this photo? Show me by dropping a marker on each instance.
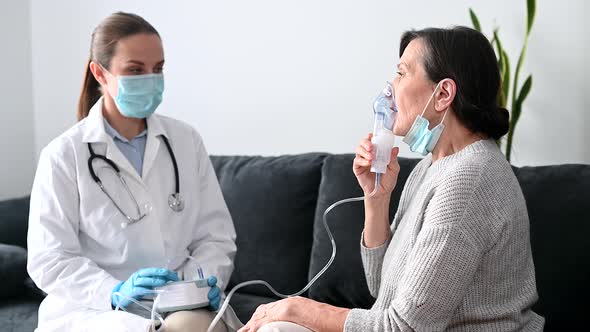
(510, 87)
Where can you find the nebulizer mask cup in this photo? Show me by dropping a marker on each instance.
(383, 140)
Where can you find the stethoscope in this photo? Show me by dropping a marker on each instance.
(175, 201)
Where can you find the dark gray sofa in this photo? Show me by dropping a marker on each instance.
(277, 205)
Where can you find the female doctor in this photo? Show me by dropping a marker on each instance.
(124, 196)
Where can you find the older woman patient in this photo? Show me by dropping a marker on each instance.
(457, 256)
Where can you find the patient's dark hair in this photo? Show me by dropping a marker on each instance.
(102, 49)
(467, 57)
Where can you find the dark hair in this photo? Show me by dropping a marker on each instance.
(467, 57)
(102, 48)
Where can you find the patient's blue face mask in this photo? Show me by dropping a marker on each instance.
(419, 137)
(138, 96)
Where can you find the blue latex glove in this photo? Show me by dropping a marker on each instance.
(140, 284)
(214, 294)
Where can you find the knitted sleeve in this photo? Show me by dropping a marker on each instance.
(442, 261)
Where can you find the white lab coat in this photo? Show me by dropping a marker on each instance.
(77, 250)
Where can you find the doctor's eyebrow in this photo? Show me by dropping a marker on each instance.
(137, 62)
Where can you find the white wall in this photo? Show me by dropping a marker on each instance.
(275, 77)
(17, 142)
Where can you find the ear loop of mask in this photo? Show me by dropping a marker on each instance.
(104, 69)
(428, 103)
(108, 72)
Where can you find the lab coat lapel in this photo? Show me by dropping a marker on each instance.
(94, 132)
(114, 154)
(153, 143)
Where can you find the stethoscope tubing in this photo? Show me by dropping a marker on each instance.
(176, 195)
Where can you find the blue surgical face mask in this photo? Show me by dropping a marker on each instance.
(419, 137)
(138, 96)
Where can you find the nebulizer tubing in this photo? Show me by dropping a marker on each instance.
(384, 108)
(153, 310)
(312, 281)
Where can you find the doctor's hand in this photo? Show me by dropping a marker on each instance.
(214, 294)
(141, 284)
(362, 169)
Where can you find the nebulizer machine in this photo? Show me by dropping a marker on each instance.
(385, 111)
(174, 296)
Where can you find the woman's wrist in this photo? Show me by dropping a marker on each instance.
(377, 207)
(377, 212)
(318, 316)
(376, 231)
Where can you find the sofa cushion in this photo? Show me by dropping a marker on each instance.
(19, 314)
(13, 270)
(344, 283)
(272, 202)
(14, 220)
(557, 200)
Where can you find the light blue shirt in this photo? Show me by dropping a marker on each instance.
(132, 149)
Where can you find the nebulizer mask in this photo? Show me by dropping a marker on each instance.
(383, 140)
(187, 294)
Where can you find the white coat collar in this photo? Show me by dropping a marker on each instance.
(94, 132)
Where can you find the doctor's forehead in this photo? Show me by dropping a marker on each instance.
(145, 48)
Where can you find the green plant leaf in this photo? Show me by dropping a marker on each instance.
(516, 112)
(524, 92)
(515, 115)
(517, 71)
(531, 9)
(504, 68)
(501, 61)
(509, 144)
(474, 20)
(525, 89)
(506, 79)
(496, 43)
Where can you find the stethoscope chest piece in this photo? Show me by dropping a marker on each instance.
(175, 202)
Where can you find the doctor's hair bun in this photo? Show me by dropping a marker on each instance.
(467, 57)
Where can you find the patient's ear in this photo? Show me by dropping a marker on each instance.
(445, 95)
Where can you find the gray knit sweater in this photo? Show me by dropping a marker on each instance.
(459, 258)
